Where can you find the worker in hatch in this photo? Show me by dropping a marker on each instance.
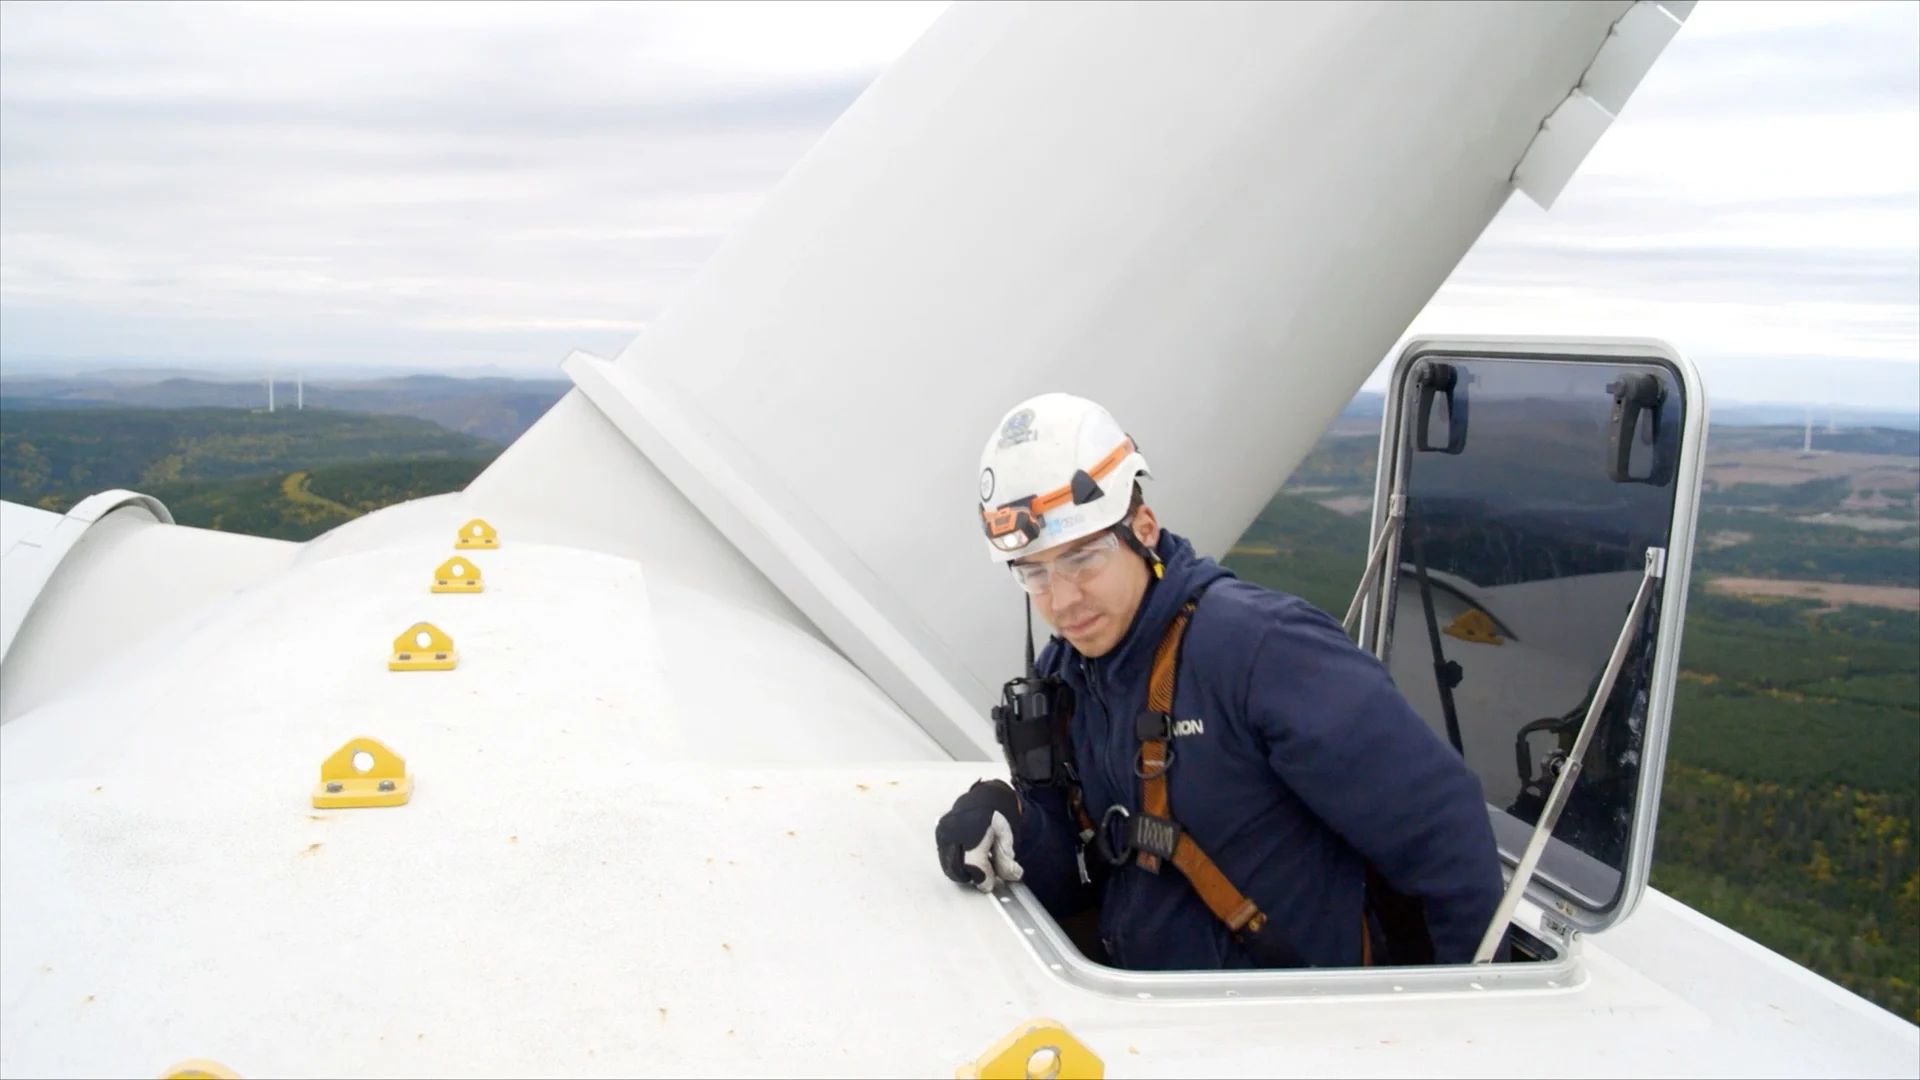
(1213, 763)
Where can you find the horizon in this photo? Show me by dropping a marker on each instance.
(148, 372)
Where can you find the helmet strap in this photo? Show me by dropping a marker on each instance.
(1125, 531)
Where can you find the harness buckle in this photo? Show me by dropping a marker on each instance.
(1148, 726)
(1156, 836)
(1264, 942)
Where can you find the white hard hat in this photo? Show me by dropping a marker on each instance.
(1056, 469)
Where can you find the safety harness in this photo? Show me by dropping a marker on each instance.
(1153, 837)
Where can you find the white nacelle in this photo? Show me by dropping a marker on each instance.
(641, 837)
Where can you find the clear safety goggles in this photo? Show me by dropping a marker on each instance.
(1077, 566)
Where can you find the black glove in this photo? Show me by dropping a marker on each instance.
(975, 838)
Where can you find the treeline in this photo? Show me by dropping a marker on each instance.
(1771, 545)
(1348, 460)
(366, 488)
(54, 458)
(1822, 495)
(1341, 462)
(302, 505)
(1799, 551)
(1296, 545)
(1775, 690)
(1812, 496)
(1902, 442)
(495, 409)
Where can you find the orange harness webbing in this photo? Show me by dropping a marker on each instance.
(1226, 902)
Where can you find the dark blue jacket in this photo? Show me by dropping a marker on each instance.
(1306, 762)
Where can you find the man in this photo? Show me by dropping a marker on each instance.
(1287, 809)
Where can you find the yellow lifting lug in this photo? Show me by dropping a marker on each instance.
(477, 534)
(199, 1069)
(1035, 1050)
(1476, 626)
(363, 773)
(424, 647)
(457, 575)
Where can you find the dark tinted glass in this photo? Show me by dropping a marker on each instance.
(1522, 551)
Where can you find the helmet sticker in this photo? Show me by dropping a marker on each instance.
(1018, 429)
(1056, 524)
(986, 484)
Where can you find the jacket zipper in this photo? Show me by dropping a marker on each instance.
(1090, 671)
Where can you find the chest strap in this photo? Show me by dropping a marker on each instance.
(1157, 838)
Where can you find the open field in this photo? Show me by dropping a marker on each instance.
(1833, 593)
(1867, 471)
(1348, 504)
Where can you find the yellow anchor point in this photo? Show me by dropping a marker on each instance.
(199, 1069)
(363, 773)
(457, 575)
(1476, 626)
(424, 647)
(477, 534)
(1036, 1049)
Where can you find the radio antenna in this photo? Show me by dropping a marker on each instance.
(1030, 672)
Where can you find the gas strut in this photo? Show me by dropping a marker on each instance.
(1446, 673)
(1396, 510)
(1563, 787)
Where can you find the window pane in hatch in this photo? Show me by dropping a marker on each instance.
(1530, 556)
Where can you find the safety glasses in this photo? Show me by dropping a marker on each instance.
(1077, 566)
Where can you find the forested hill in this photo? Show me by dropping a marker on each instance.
(302, 504)
(496, 409)
(54, 458)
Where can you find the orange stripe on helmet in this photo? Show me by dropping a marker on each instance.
(1005, 520)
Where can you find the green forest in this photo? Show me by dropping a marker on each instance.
(303, 504)
(493, 408)
(1778, 546)
(54, 458)
(1790, 809)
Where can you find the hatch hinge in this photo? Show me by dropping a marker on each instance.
(1552, 927)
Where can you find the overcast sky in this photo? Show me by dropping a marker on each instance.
(448, 185)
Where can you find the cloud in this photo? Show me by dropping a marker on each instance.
(294, 179)
(436, 183)
(1769, 58)
(1757, 203)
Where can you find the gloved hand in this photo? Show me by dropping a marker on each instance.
(975, 838)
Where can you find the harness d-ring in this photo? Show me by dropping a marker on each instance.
(1103, 845)
(1140, 762)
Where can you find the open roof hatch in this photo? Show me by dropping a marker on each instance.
(1530, 555)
